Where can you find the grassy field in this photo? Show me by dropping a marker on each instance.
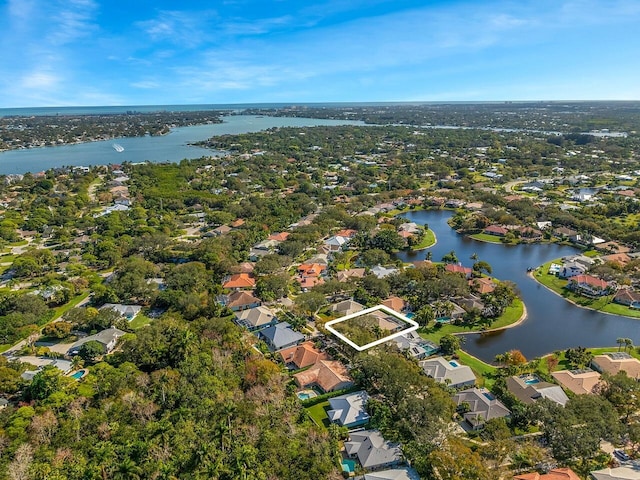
(58, 312)
(428, 240)
(484, 237)
(511, 315)
(318, 414)
(139, 322)
(603, 304)
(480, 369)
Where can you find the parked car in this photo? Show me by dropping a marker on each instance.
(621, 455)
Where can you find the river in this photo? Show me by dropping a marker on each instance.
(552, 323)
(167, 148)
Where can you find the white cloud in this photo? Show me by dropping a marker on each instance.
(40, 80)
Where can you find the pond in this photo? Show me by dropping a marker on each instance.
(552, 322)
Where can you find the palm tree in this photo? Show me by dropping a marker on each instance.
(128, 470)
(628, 343)
(474, 256)
(620, 342)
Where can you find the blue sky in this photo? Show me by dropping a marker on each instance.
(139, 52)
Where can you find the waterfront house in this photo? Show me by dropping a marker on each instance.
(449, 372)
(589, 286)
(495, 230)
(381, 272)
(478, 405)
(482, 285)
(372, 450)
(327, 375)
(349, 410)
(628, 297)
(616, 362)
(579, 382)
(346, 275)
(529, 388)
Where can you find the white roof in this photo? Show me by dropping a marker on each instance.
(442, 370)
(620, 473)
(349, 408)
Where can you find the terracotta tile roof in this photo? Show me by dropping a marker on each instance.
(615, 362)
(240, 280)
(555, 474)
(347, 232)
(482, 285)
(303, 355)
(620, 258)
(458, 269)
(496, 230)
(395, 303)
(237, 223)
(327, 374)
(310, 282)
(589, 280)
(311, 269)
(241, 299)
(279, 237)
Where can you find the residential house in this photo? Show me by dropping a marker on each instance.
(495, 230)
(465, 271)
(221, 230)
(237, 223)
(482, 285)
(622, 259)
(255, 318)
(479, 405)
(240, 281)
(372, 450)
(449, 372)
(346, 275)
(530, 234)
(554, 474)
(618, 473)
(615, 362)
(327, 375)
(564, 232)
(381, 272)
(395, 303)
(302, 356)
(571, 269)
(387, 322)
(346, 307)
(240, 300)
(64, 366)
(280, 336)
(529, 388)
(336, 243)
(400, 473)
(310, 274)
(416, 346)
(579, 382)
(347, 233)
(107, 338)
(279, 237)
(628, 297)
(589, 286)
(349, 410)
(126, 311)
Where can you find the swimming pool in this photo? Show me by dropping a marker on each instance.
(306, 394)
(79, 374)
(348, 465)
(454, 364)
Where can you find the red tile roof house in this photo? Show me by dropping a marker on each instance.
(496, 230)
(589, 286)
(628, 297)
(302, 356)
(555, 474)
(466, 271)
(240, 281)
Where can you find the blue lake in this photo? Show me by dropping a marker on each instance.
(552, 323)
(168, 148)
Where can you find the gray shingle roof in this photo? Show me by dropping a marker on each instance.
(372, 449)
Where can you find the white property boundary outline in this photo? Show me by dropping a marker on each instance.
(414, 326)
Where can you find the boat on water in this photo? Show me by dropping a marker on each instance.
(118, 148)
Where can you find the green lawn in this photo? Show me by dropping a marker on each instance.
(58, 312)
(484, 237)
(480, 369)
(139, 322)
(428, 240)
(603, 304)
(511, 315)
(318, 414)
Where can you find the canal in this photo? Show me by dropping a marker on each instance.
(552, 322)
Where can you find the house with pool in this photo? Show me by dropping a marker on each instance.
(449, 372)
(349, 410)
(529, 388)
(478, 405)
